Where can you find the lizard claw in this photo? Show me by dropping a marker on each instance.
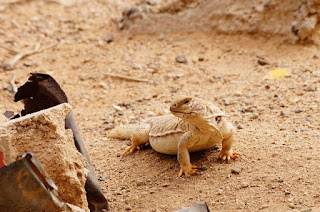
(132, 148)
(187, 171)
(227, 155)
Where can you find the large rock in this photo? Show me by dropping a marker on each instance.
(44, 134)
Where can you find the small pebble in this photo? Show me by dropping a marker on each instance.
(244, 185)
(310, 88)
(236, 170)
(109, 126)
(217, 76)
(174, 90)
(181, 59)
(298, 110)
(103, 177)
(108, 38)
(286, 192)
(140, 183)
(284, 113)
(262, 62)
(291, 205)
(255, 116)
(227, 102)
(240, 126)
(161, 37)
(220, 192)
(201, 59)
(264, 207)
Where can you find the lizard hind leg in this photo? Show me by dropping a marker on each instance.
(139, 139)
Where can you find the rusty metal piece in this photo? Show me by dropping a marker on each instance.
(200, 207)
(24, 188)
(40, 92)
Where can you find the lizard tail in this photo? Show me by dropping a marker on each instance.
(124, 132)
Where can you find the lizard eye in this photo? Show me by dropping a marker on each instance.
(218, 119)
(187, 101)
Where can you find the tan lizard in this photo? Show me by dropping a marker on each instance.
(195, 124)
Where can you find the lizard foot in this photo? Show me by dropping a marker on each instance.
(187, 170)
(227, 155)
(132, 148)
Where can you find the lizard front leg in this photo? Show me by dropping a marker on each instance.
(226, 151)
(186, 168)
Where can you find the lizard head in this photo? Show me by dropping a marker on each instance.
(198, 112)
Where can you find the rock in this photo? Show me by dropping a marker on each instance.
(298, 110)
(201, 59)
(284, 113)
(248, 109)
(217, 76)
(161, 37)
(108, 38)
(140, 183)
(262, 62)
(220, 192)
(244, 185)
(103, 177)
(165, 185)
(236, 169)
(240, 126)
(255, 116)
(287, 192)
(291, 205)
(43, 133)
(181, 59)
(307, 26)
(227, 102)
(109, 126)
(264, 207)
(174, 90)
(310, 88)
(6, 66)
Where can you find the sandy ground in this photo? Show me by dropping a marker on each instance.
(278, 124)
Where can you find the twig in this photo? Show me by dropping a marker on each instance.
(127, 78)
(11, 64)
(13, 84)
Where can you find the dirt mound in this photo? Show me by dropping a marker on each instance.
(296, 20)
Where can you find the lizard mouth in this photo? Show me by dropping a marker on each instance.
(180, 112)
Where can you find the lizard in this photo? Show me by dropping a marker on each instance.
(193, 125)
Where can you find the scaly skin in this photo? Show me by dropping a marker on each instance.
(194, 125)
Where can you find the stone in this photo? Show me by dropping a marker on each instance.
(43, 133)
(227, 102)
(262, 62)
(108, 38)
(236, 169)
(103, 177)
(181, 59)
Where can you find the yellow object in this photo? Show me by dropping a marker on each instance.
(278, 73)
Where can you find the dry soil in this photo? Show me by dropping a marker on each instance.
(278, 125)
